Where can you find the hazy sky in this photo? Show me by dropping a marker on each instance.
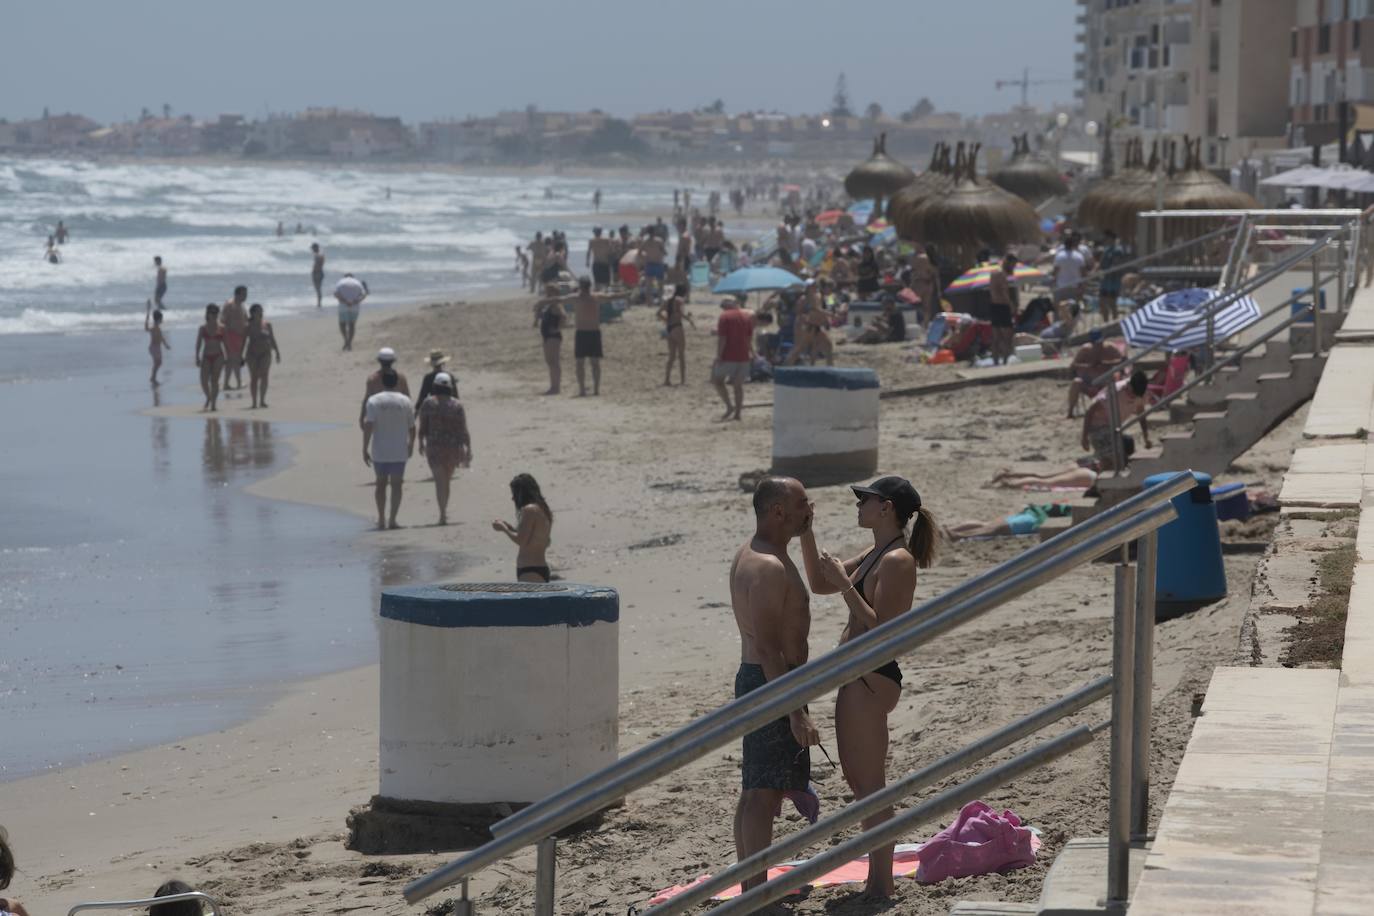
(422, 59)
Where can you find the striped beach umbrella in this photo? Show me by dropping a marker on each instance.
(980, 276)
(1161, 317)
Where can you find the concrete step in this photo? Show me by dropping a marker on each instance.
(1242, 396)
(1200, 417)
(1076, 884)
(1275, 377)
(988, 908)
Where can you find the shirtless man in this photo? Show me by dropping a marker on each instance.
(233, 316)
(599, 257)
(1097, 425)
(538, 249)
(587, 334)
(1002, 309)
(773, 613)
(317, 272)
(654, 251)
(1089, 363)
(160, 284)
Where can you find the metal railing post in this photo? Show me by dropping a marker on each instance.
(1233, 256)
(1119, 813)
(1316, 308)
(463, 906)
(1142, 707)
(1114, 418)
(1340, 272)
(545, 861)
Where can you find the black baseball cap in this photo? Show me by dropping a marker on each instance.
(896, 490)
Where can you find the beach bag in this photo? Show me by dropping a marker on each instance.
(980, 841)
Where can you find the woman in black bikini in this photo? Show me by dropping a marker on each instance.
(533, 531)
(878, 586)
(673, 311)
(550, 316)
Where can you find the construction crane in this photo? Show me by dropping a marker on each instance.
(1025, 82)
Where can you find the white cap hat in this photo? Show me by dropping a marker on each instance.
(386, 355)
(443, 380)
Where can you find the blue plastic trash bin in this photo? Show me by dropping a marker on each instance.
(1190, 569)
(1299, 305)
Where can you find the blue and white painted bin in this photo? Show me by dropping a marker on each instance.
(496, 692)
(825, 424)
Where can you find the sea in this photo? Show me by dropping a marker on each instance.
(145, 596)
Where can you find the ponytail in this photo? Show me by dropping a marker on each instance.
(924, 537)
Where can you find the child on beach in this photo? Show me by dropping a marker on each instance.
(152, 323)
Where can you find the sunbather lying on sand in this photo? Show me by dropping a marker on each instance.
(1027, 521)
(1075, 478)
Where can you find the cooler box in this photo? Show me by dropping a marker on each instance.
(1299, 305)
(1190, 568)
(1232, 502)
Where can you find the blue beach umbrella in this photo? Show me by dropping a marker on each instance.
(1157, 319)
(753, 279)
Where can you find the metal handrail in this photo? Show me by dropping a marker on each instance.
(827, 663)
(1210, 309)
(891, 830)
(1237, 355)
(861, 808)
(1154, 255)
(148, 901)
(779, 697)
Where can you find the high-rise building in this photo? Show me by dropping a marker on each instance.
(1134, 63)
(1331, 61)
(1238, 87)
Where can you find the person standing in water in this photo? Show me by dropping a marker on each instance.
(444, 438)
(157, 341)
(317, 273)
(210, 356)
(160, 284)
(61, 233)
(878, 586)
(532, 532)
(262, 344)
(234, 317)
(673, 313)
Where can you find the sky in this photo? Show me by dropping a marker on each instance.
(427, 59)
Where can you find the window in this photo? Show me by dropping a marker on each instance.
(1324, 38)
(1212, 116)
(1355, 35)
(1214, 52)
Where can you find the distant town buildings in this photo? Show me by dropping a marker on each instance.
(1331, 60)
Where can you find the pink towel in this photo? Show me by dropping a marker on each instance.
(978, 842)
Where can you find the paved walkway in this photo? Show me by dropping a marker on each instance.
(1272, 811)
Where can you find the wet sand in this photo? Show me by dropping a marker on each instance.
(644, 485)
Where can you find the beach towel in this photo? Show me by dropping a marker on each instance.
(1003, 852)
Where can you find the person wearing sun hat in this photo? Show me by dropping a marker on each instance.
(444, 438)
(437, 360)
(386, 362)
(877, 585)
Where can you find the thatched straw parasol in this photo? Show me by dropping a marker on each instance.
(937, 179)
(1195, 188)
(1114, 203)
(878, 176)
(1032, 179)
(974, 214)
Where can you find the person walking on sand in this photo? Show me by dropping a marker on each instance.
(234, 317)
(262, 344)
(389, 429)
(877, 586)
(210, 356)
(444, 439)
(599, 257)
(437, 360)
(587, 334)
(673, 313)
(157, 341)
(532, 531)
(550, 316)
(160, 283)
(734, 354)
(316, 272)
(386, 362)
(350, 293)
(773, 614)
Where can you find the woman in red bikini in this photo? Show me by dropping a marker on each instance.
(210, 355)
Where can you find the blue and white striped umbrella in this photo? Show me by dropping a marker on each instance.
(1157, 319)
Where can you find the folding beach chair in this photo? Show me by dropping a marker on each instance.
(935, 333)
(204, 899)
(701, 274)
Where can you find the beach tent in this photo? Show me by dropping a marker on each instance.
(1153, 322)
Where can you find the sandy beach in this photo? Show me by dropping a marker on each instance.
(644, 485)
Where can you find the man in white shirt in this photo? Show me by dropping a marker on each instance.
(350, 291)
(1070, 264)
(389, 428)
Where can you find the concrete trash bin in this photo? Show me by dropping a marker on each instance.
(1190, 566)
(825, 424)
(493, 696)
